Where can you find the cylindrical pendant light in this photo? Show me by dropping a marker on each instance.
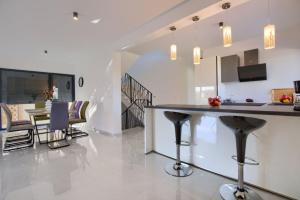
(197, 49)
(269, 36)
(75, 16)
(269, 32)
(197, 55)
(173, 47)
(227, 36)
(173, 52)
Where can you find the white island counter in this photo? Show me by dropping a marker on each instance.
(276, 146)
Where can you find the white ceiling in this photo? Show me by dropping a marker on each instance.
(247, 21)
(30, 26)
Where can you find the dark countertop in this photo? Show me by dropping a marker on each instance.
(281, 110)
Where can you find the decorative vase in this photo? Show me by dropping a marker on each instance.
(48, 105)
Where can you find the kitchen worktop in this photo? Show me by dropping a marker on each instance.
(266, 109)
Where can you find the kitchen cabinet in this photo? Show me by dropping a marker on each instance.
(229, 68)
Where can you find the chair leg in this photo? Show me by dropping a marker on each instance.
(37, 131)
(60, 143)
(66, 135)
(78, 133)
(20, 144)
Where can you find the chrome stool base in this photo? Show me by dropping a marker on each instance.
(183, 171)
(228, 191)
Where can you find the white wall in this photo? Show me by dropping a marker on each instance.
(283, 66)
(205, 81)
(166, 79)
(127, 59)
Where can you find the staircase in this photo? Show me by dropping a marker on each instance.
(134, 98)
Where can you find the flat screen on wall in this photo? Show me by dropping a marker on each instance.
(252, 73)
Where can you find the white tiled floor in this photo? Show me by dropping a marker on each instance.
(101, 167)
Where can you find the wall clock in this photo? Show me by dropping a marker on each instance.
(80, 82)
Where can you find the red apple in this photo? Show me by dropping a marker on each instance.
(214, 101)
(286, 99)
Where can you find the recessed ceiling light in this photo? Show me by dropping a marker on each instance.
(226, 5)
(75, 16)
(96, 21)
(45, 52)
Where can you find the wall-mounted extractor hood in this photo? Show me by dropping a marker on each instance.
(252, 70)
(231, 71)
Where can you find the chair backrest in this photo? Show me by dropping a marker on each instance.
(72, 109)
(39, 104)
(8, 115)
(72, 106)
(59, 119)
(77, 109)
(83, 110)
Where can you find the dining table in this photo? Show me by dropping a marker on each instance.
(42, 112)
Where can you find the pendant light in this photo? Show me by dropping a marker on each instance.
(75, 16)
(196, 50)
(269, 33)
(173, 47)
(227, 36)
(197, 55)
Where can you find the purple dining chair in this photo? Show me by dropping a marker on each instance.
(59, 120)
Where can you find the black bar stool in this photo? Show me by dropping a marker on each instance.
(178, 169)
(241, 126)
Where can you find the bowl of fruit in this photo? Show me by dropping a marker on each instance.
(286, 99)
(214, 101)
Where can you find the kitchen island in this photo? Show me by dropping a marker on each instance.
(276, 146)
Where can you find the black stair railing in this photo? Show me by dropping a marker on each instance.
(139, 97)
(135, 90)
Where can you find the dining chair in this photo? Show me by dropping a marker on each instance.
(81, 118)
(41, 122)
(20, 140)
(72, 109)
(59, 121)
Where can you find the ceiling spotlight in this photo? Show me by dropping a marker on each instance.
(226, 5)
(221, 25)
(45, 52)
(75, 16)
(96, 21)
(172, 28)
(195, 18)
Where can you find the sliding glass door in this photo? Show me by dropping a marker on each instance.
(25, 87)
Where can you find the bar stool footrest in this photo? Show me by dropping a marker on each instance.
(248, 161)
(185, 143)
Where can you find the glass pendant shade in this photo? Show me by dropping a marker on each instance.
(269, 36)
(227, 36)
(173, 52)
(197, 55)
